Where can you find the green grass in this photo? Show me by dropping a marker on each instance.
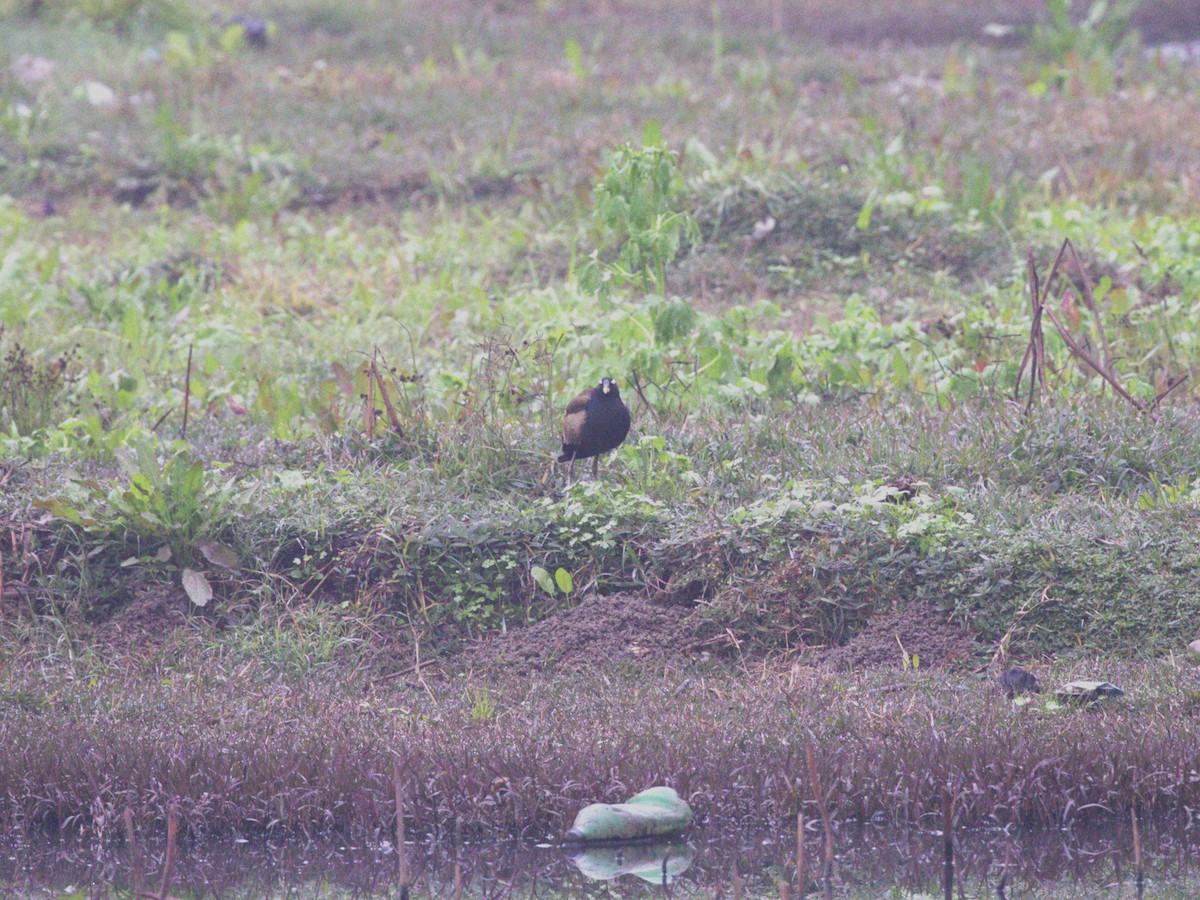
(376, 206)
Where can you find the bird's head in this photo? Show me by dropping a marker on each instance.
(608, 387)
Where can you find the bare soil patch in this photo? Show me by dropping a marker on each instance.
(145, 624)
(918, 630)
(632, 629)
(600, 632)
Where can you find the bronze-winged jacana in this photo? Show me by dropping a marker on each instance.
(596, 422)
(1018, 681)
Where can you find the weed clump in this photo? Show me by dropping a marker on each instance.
(34, 394)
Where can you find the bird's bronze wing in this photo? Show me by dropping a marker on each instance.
(572, 430)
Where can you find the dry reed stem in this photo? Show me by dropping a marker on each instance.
(187, 393)
(823, 809)
(801, 857)
(169, 860)
(1171, 385)
(948, 842)
(393, 418)
(637, 386)
(1137, 850)
(401, 852)
(1035, 350)
(369, 411)
(1001, 653)
(135, 856)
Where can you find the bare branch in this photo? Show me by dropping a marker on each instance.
(387, 400)
(1089, 300)
(1171, 385)
(1035, 351)
(1097, 366)
(637, 386)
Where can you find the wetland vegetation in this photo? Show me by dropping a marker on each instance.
(287, 332)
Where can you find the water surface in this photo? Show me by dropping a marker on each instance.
(869, 861)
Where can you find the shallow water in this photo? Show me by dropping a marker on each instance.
(869, 861)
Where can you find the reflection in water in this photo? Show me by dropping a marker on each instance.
(870, 860)
(656, 862)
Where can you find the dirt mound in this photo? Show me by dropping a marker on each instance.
(145, 623)
(599, 632)
(916, 630)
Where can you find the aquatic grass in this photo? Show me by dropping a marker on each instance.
(254, 756)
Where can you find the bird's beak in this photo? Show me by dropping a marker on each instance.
(607, 385)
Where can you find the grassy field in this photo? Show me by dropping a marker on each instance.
(286, 333)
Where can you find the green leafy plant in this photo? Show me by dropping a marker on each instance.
(1087, 50)
(484, 703)
(574, 57)
(236, 180)
(1101, 33)
(1166, 493)
(635, 210)
(170, 511)
(123, 15)
(561, 580)
(183, 155)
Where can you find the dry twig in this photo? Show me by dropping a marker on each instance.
(1035, 351)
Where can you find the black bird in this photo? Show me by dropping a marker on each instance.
(596, 422)
(1019, 681)
(255, 29)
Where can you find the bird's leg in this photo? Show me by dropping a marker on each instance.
(596, 467)
(570, 470)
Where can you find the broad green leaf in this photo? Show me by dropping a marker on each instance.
(60, 510)
(564, 581)
(652, 135)
(574, 55)
(233, 38)
(864, 217)
(900, 376)
(543, 579)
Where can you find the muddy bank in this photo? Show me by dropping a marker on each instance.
(602, 631)
(633, 630)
